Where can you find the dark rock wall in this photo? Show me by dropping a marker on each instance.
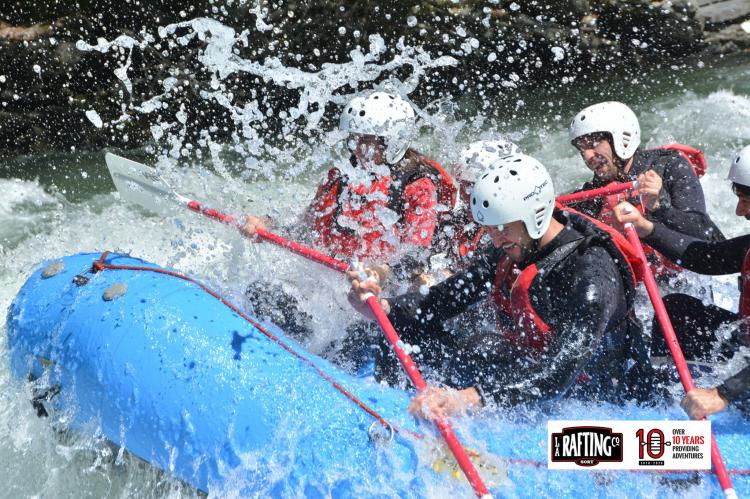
(47, 84)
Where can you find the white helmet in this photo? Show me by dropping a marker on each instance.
(383, 115)
(478, 156)
(515, 188)
(614, 118)
(739, 172)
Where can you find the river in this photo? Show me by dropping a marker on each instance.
(63, 203)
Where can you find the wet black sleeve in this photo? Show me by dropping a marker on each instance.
(591, 207)
(586, 299)
(737, 387)
(703, 257)
(683, 206)
(449, 298)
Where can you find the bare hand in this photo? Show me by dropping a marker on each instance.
(438, 403)
(625, 212)
(702, 402)
(383, 272)
(649, 185)
(252, 224)
(364, 284)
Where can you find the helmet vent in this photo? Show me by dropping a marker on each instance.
(486, 203)
(539, 216)
(583, 117)
(497, 179)
(513, 172)
(362, 112)
(474, 200)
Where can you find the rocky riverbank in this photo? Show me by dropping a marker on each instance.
(56, 96)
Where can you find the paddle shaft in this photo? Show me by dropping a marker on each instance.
(674, 347)
(297, 248)
(609, 189)
(446, 430)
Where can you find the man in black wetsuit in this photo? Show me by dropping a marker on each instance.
(697, 325)
(566, 323)
(608, 135)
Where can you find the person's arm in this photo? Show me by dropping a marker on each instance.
(703, 257)
(737, 387)
(702, 402)
(698, 255)
(450, 297)
(682, 204)
(420, 214)
(587, 300)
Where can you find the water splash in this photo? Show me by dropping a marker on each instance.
(332, 84)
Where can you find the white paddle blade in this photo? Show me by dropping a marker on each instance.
(141, 185)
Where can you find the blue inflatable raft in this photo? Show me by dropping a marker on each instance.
(179, 378)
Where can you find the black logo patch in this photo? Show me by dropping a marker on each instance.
(587, 445)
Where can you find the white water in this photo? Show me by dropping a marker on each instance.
(38, 221)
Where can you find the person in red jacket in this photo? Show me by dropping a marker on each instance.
(388, 199)
(383, 206)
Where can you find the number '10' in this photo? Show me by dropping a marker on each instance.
(654, 443)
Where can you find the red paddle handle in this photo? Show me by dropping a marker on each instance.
(446, 430)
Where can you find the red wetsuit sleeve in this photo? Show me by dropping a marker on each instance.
(420, 214)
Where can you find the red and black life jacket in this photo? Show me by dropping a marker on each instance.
(468, 243)
(693, 156)
(511, 288)
(659, 263)
(350, 224)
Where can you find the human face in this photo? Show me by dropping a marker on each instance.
(743, 205)
(513, 239)
(368, 149)
(596, 151)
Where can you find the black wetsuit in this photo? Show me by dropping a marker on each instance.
(583, 297)
(695, 323)
(682, 204)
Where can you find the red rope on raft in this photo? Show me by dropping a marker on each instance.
(100, 265)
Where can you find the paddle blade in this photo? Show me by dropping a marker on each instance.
(140, 184)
